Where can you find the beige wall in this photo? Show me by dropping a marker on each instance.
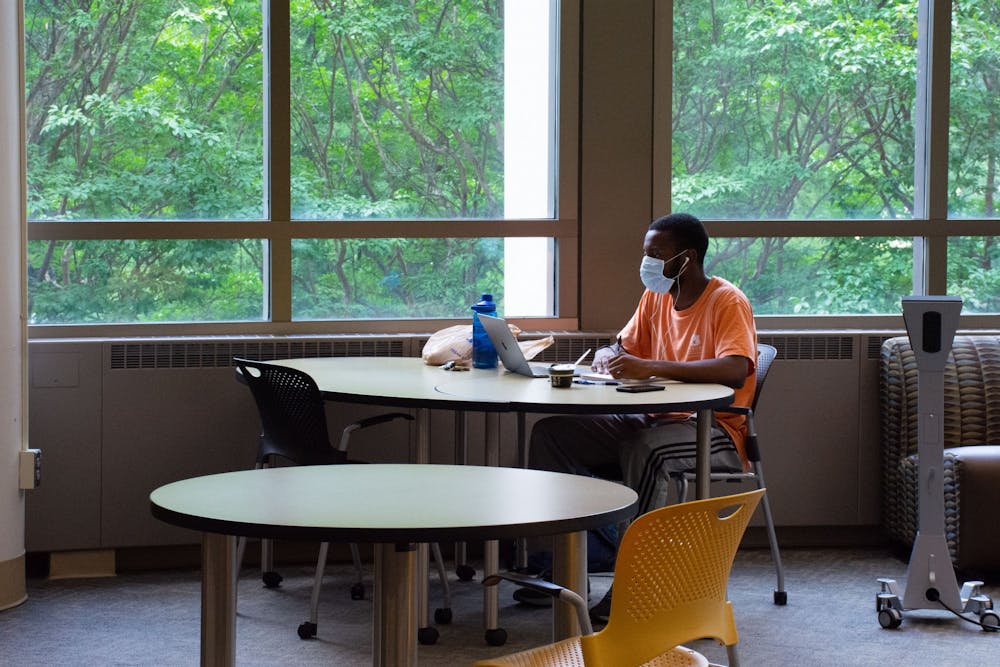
(13, 363)
(616, 167)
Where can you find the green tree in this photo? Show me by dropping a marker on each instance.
(397, 109)
(142, 111)
(797, 109)
(152, 110)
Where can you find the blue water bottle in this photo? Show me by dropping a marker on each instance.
(484, 355)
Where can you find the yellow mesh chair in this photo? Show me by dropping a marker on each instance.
(670, 587)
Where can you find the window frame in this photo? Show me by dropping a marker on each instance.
(279, 230)
(580, 301)
(930, 226)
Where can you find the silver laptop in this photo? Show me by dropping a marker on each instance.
(509, 351)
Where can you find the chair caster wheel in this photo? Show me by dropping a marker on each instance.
(358, 591)
(990, 621)
(781, 598)
(271, 579)
(427, 636)
(890, 618)
(307, 630)
(442, 616)
(496, 637)
(465, 572)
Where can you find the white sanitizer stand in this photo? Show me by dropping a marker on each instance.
(931, 322)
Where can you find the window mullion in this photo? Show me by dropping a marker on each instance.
(277, 146)
(931, 142)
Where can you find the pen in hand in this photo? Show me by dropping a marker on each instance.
(618, 350)
(582, 357)
(621, 348)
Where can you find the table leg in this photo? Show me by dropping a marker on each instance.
(427, 634)
(461, 458)
(394, 609)
(522, 440)
(521, 545)
(422, 422)
(218, 600)
(492, 434)
(703, 464)
(491, 549)
(422, 454)
(569, 569)
(491, 594)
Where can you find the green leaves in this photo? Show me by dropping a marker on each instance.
(400, 104)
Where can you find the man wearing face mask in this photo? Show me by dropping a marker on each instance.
(687, 326)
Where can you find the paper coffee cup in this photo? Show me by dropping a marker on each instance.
(561, 375)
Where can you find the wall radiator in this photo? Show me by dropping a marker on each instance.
(117, 418)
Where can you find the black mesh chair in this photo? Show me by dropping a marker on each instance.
(765, 355)
(294, 428)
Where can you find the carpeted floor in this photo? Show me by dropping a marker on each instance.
(153, 619)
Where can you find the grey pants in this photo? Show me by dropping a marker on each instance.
(638, 449)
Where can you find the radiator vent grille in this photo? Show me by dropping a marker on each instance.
(874, 345)
(568, 345)
(812, 347)
(219, 354)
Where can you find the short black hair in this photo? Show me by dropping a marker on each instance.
(688, 232)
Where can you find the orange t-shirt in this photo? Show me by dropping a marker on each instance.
(719, 324)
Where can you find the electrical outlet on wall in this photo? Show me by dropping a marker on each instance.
(30, 471)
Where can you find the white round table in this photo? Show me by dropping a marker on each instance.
(407, 382)
(392, 506)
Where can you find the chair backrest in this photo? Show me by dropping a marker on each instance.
(670, 580)
(765, 355)
(292, 414)
(971, 386)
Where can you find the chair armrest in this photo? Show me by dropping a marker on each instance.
(345, 435)
(552, 590)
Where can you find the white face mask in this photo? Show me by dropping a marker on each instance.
(651, 273)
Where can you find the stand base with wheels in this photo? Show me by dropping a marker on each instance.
(931, 322)
(889, 606)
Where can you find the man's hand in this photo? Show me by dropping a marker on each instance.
(601, 359)
(627, 367)
(731, 371)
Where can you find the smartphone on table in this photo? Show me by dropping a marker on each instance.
(639, 388)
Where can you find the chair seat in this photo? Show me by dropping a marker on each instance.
(672, 569)
(969, 475)
(567, 653)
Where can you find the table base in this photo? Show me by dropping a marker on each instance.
(394, 612)
(218, 600)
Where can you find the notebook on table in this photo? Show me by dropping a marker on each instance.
(510, 352)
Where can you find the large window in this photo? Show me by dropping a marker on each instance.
(240, 160)
(356, 165)
(815, 119)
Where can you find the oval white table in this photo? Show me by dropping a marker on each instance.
(392, 506)
(407, 382)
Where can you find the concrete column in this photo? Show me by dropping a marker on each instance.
(13, 306)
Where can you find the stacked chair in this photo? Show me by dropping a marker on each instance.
(670, 587)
